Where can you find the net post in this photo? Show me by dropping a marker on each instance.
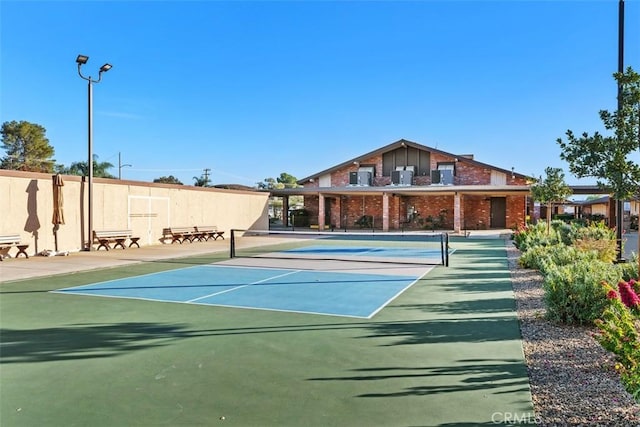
(232, 244)
(442, 250)
(446, 249)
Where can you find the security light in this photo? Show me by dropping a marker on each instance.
(82, 59)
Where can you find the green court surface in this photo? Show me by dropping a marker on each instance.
(446, 352)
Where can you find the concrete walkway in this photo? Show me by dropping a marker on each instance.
(40, 266)
(630, 244)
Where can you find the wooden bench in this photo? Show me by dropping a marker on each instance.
(12, 241)
(180, 234)
(206, 232)
(118, 237)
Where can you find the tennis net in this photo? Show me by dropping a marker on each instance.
(381, 247)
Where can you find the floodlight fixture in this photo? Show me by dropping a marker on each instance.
(81, 60)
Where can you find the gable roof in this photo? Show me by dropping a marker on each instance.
(406, 143)
(598, 201)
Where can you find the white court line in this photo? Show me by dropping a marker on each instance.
(154, 273)
(400, 292)
(244, 286)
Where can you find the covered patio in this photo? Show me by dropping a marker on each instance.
(457, 208)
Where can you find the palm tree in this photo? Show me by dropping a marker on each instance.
(203, 181)
(81, 168)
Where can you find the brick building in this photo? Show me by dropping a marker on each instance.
(406, 185)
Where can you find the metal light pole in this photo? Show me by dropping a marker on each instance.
(120, 166)
(81, 60)
(620, 203)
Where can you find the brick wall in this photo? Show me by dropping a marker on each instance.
(345, 210)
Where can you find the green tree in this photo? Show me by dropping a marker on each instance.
(82, 168)
(268, 184)
(285, 180)
(552, 189)
(608, 158)
(26, 147)
(168, 180)
(202, 181)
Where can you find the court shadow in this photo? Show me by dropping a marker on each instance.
(85, 341)
(498, 376)
(478, 286)
(447, 331)
(479, 307)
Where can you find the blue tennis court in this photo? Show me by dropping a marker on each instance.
(336, 293)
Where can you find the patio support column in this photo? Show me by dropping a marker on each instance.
(458, 215)
(285, 211)
(385, 211)
(320, 211)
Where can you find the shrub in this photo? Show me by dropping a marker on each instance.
(563, 231)
(595, 230)
(628, 295)
(595, 237)
(628, 270)
(574, 293)
(564, 217)
(542, 257)
(618, 334)
(534, 235)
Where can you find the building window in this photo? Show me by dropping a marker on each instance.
(447, 166)
(406, 158)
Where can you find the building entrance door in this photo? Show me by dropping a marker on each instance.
(498, 212)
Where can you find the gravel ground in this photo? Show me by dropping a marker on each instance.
(573, 382)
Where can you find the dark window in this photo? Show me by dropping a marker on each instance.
(406, 157)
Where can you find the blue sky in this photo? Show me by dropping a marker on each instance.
(253, 89)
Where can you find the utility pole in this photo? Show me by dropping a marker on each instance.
(206, 175)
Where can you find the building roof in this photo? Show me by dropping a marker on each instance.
(598, 201)
(464, 158)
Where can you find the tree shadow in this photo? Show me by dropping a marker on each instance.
(500, 376)
(85, 341)
(447, 330)
(483, 306)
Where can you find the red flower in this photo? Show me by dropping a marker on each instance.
(628, 295)
(613, 294)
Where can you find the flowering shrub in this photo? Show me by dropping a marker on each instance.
(618, 334)
(628, 295)
(577, 265)
(574, 260)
